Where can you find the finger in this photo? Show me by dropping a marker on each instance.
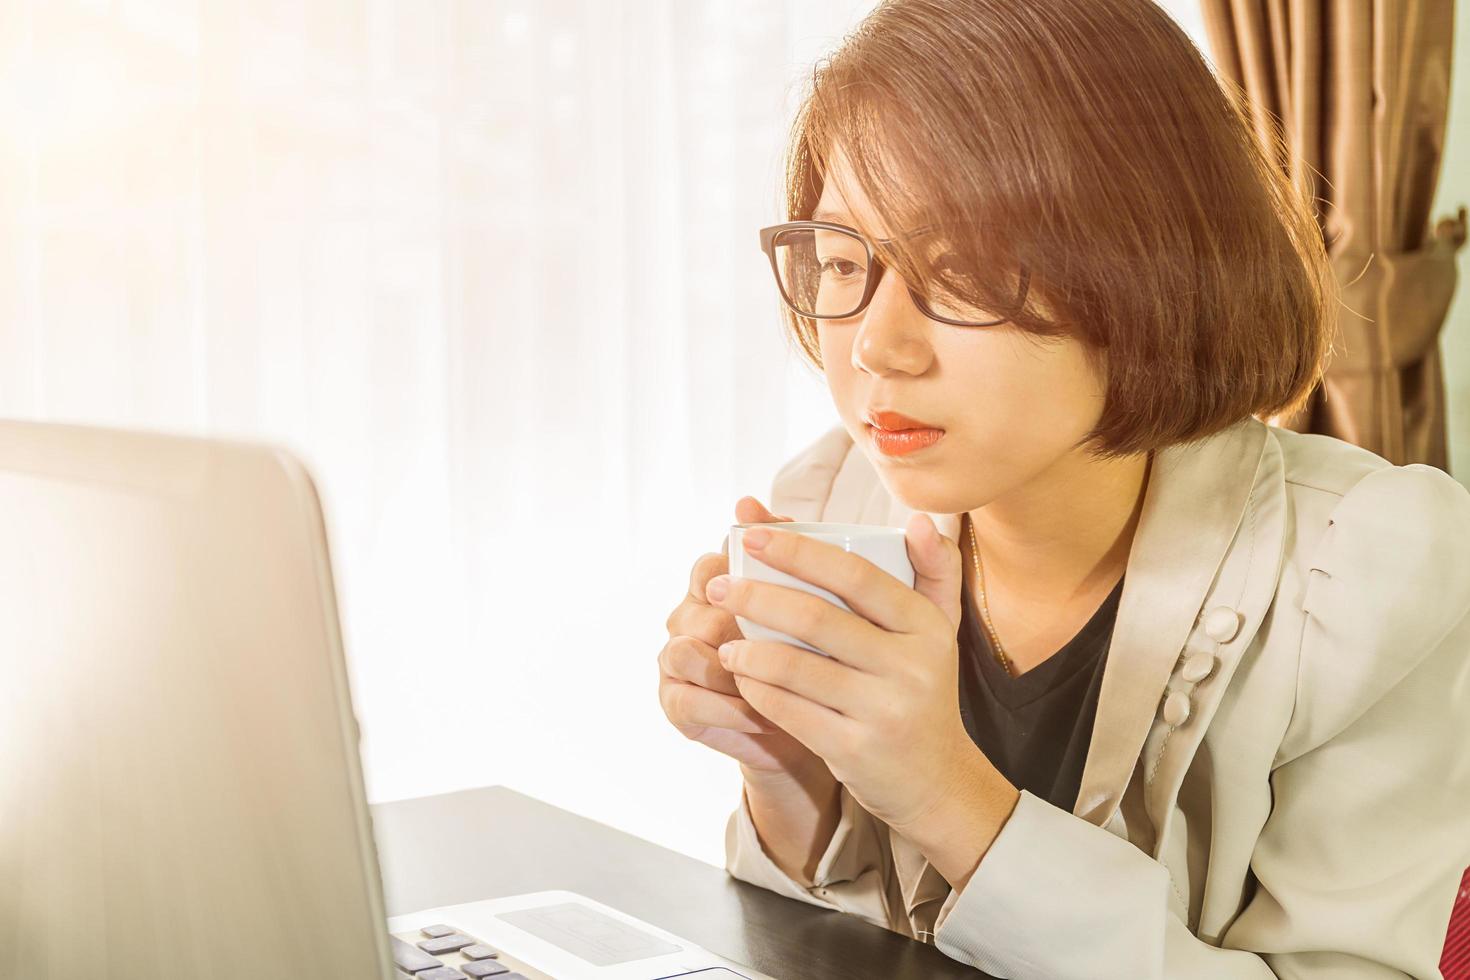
(821, 680)
(816, 726)
(688, 659)
(705, 568)
(868, 590)
(689, 704)
(749, 510)
(835, 631)
(938, 566)
(703, 622)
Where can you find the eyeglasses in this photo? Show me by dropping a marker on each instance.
(830, 272)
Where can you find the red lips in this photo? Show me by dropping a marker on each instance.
(895, 421)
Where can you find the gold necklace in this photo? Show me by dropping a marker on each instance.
(996, 648)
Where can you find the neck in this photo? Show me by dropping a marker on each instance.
(1064, 535)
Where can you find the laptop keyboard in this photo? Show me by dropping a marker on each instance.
(441, 952)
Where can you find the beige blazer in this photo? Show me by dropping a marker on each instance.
(1302, 808)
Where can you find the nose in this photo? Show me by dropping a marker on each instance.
(893, 333)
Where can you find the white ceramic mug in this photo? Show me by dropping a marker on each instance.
(885, 547)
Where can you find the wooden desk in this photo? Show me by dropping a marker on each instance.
(492, 842)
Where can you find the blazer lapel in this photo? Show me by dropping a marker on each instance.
(1196, 496)
(1234, 610)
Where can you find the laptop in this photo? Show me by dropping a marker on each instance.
(181, 792)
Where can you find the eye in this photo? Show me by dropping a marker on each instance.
(843, 268)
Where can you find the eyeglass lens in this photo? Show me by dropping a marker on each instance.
(824, 272)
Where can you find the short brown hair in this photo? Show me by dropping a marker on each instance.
(1089, 141)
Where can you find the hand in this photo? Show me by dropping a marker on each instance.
(883, 709)
(699, 695)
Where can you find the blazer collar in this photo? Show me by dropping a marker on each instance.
(1196, 497)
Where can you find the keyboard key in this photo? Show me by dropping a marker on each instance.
(434, 932)
(485, 968)
(443, 973)
(411, 960)
(446, 944)
(479, 951)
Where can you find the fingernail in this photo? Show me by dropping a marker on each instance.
(726, 649)
(718, 586)
(756, 538)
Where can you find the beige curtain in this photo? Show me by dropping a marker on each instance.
(1351, 96)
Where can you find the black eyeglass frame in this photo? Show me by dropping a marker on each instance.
(768, 245)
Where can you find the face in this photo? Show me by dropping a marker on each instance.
(1012, 406)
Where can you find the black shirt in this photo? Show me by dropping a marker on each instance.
(1035, 728)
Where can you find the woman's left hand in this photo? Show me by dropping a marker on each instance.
(883, 709)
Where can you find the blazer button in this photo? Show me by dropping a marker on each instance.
(1222, 623)
(1176, 708)
(1198, 667)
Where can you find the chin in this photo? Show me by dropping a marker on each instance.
(917, 491)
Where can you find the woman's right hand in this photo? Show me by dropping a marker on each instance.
(699, 695)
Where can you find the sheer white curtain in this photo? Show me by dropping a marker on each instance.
(491, 269)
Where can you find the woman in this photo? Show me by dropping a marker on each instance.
(1176, 693)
